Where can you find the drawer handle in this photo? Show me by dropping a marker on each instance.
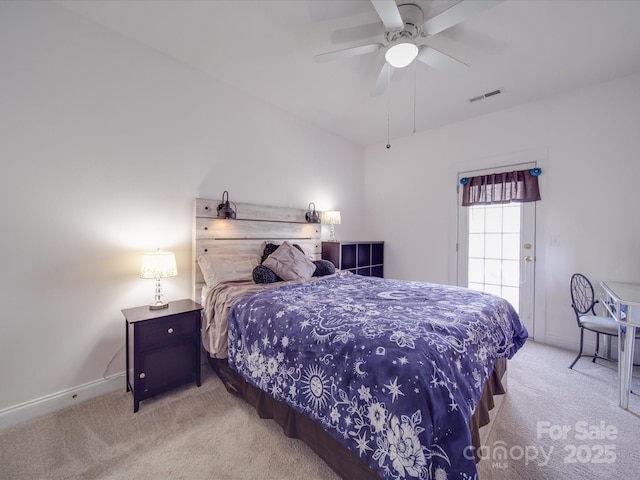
(170, 330)
(142, 375)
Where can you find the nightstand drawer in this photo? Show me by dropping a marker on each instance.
(167, 330)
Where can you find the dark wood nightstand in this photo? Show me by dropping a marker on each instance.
(165, 348)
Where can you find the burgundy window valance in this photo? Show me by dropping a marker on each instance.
(506, 187)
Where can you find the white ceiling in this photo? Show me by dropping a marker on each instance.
(530, 48)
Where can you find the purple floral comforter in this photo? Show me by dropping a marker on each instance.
(392, 369)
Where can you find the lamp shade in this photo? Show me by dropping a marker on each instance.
(401, 54)
(158, 265)
(331, 217)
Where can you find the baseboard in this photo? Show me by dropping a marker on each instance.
(569, 344)
(610, 350)
(57, 401)
(67, 398)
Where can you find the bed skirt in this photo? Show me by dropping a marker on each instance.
(344, 462)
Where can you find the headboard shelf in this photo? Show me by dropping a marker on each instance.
(258, 220)
(266, 239)
(206, 208)
(255, 229)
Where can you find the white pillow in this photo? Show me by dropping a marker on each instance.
(225, 268)
(289, 263)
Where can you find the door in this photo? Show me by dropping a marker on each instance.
(496, 250)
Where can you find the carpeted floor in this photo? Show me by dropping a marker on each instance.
(555, 423)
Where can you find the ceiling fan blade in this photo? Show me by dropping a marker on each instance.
(383, 80)
(356, 34)
(348, 52)
(458, 13)
(440, 61)
(389, 14)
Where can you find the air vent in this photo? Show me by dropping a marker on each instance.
(486, 95)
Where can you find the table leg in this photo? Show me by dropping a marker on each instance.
(625, 363)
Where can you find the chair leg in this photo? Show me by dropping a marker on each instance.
(580, 352)
(597, 352)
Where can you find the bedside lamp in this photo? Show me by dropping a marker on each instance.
(158, 265)
(331, 218)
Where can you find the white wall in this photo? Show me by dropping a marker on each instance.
(590, 193)
(104, 145)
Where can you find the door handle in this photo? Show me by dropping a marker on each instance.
(528, 258)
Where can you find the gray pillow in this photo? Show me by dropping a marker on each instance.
(269, 248)
(290, 263)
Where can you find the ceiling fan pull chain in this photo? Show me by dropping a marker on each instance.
(415, 90)
(388, 104)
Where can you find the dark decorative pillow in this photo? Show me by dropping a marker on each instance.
(262, 274)
(323, 267)
(269, 248)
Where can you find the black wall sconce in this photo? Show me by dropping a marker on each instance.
(224, 209)
(312, 215)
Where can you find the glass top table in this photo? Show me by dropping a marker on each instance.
(623, 303)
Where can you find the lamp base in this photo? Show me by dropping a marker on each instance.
(158, 306)
(332, 234)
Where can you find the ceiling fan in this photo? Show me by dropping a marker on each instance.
(405, 31)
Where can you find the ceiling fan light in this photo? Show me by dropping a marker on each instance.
(401, 54)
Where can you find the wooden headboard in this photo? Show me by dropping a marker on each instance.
(254, 225)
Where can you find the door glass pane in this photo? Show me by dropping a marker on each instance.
(494, 289)
(494, 250)
(511, 246)
(512, 295)
(476, 220)
(493, 220)
(476, 270)
(492, 271)
(511, 273)
(494, 245)
(511, 218)
(476, 245)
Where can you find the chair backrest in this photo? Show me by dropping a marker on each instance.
(582, 296)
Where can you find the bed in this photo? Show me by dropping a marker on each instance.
(382, 378)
